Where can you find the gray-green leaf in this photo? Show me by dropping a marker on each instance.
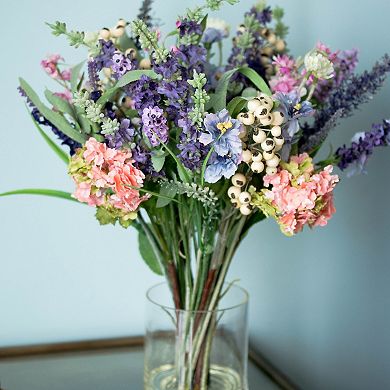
(59, 103)
(75, 71)
(41, 191)
(218, 99)
(54, 117)
(158, 162)
(167, 192)
(147, 253)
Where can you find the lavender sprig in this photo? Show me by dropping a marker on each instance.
(353, 92)
(363, 145)
(93, 75)
(144, 13)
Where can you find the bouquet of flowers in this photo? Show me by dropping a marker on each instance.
(193, 152)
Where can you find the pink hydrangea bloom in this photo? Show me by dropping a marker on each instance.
(105, 176)
(284, 64)
(327, 211)
(299, 196)
(84, 194)
(284, 83)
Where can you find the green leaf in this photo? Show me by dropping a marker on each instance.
(54, 117)
(128, 78)
(59, 103)
(181, 169)
(75, 71)
(167, 193)
(236, 105)
(249, 92)
(57, 150)
(157, 195)
(41, 191)
(158, 162)
(203, 23)
(218, 99)
(256, 79)
(147, 253)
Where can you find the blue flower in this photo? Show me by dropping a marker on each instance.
(212, 35)
(222, 133)
(293, 109)
(219, 166)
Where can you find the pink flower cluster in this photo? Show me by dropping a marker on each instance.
(326, 49)
(50, 65)
(299, 196)
(104, 176)
(66, 95)
(286, 79)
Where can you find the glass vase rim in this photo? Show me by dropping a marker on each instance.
(242, 302)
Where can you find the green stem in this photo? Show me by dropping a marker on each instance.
(220, 51)
(216, 292)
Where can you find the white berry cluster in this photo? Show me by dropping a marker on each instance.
(115, 32)
(239, 197)
(262, 138)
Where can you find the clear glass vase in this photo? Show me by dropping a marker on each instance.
(200, 350)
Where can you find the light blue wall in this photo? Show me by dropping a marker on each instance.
(320, 302)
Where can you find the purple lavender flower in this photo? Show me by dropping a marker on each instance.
(93, 75)
(192, 57)
(124, 135)
(155, 125)
(250, 56)
(120, 65)
(107, 50)
(362, 146)
(167, 68)
(263, 17)
(293, 109)
(219, 166)
(222, 132)
(192, 152)
(144, 93)
(346, 63)
(188, 27)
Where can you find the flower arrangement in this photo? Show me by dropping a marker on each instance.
(193, 152)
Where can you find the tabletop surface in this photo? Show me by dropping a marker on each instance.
(107, 370)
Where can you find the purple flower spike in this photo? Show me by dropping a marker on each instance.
(155, 125)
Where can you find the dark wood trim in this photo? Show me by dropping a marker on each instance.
(71, 347)
(271, 371)
(128, 342)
